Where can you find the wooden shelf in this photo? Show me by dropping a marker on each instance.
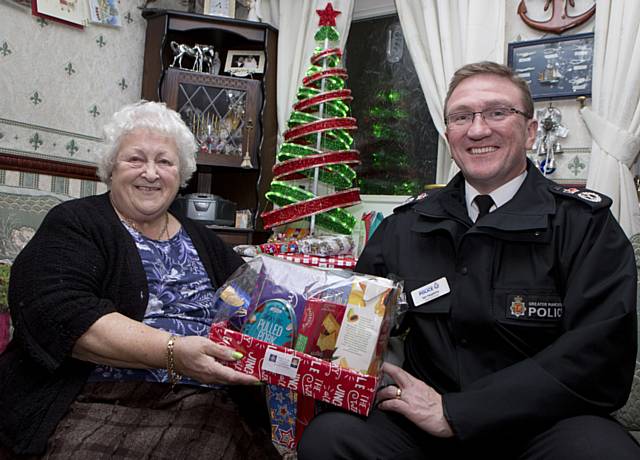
(219, 174)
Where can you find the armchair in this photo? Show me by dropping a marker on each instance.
(629, 415)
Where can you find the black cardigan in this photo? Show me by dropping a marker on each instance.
(80, 265)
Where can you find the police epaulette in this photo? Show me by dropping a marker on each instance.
(410, 202)
(594, 199)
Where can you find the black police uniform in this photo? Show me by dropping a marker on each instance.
(540, 321)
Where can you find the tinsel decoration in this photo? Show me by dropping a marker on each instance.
(318, 139)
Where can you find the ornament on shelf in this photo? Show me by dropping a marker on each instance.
(246, 159)
(317, 144)
(546, 144)
(204, 57)
(222, 134)
(250, 5)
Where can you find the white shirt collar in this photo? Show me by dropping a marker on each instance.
(500, 196)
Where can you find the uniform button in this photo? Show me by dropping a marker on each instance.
(463, 270)
(464, 342)
(537, 233)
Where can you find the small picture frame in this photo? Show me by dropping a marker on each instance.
(558, 67)
(225, 8)
(244, 62)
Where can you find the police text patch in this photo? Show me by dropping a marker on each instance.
(534, 307)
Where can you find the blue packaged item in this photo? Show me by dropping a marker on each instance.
(272, 321)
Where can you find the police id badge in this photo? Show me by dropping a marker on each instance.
(529, 307)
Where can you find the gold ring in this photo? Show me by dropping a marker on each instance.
(398, 393)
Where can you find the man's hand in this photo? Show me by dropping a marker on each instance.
(418, 402)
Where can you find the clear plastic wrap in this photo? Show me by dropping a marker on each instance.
(310, 333)
(337, 315)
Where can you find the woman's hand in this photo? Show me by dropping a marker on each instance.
(116, 340)
(199, 358)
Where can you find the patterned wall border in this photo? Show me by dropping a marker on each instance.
(572, 166)
(58, 148)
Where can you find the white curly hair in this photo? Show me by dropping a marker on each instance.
(155, 117)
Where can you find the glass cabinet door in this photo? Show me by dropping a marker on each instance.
(221, 112)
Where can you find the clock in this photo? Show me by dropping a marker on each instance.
(226, 8)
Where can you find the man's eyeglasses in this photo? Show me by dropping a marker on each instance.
(493, 115)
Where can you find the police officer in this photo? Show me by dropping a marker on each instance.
(521, 332)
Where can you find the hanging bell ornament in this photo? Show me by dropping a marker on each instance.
(557, 148)
(542, 148)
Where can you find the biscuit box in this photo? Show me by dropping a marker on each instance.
(305, 374)
(319, 328)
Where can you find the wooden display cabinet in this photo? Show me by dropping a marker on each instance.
(234, 119)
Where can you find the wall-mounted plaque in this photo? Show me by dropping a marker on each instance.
(555, 67)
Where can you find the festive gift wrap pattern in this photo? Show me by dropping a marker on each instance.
(320, 262)
(297, 371)
(333, 245)
(322, 246)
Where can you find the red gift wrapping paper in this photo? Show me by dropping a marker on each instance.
(315, 378)
(320, 261)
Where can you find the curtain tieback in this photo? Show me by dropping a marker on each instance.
(620, 144)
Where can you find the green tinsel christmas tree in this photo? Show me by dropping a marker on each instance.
(318, 143)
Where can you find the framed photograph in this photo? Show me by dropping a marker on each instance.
(226, 8)
(559, 67)
(244, 62)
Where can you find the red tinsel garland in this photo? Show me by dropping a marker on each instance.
(319, 126)
(281, 171)
(335, 72)
(316, 58)
(307, 208)
(343, 94)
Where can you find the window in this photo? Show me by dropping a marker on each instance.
(397, 140)
(87, 188)
(29, 180)
(60, 185)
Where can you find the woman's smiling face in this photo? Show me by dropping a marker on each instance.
(145, 178)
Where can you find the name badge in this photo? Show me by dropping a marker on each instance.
(430, 291)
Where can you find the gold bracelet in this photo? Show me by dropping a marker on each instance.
(172, 375)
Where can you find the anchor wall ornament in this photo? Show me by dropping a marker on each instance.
(560, 19)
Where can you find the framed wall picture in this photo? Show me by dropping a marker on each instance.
(244, 62)
(559, 67)
(74, 14)
(226, 8)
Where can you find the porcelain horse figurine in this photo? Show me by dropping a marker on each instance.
(208, 58)
(179, 50)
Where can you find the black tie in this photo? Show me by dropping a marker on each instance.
(484, 203)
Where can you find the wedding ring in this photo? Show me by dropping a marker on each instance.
(398, 393)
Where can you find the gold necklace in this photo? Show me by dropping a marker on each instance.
(133, 225)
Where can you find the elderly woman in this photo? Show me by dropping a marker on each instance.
(111, 302)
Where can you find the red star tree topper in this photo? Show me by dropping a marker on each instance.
(328, 15)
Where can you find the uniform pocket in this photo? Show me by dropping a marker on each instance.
(528, 319)
(441, 305)
(537, 308)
